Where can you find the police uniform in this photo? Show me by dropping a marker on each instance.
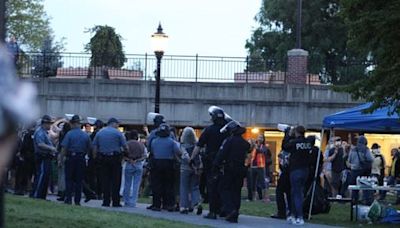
(108, 143)
(76, 144)
(212, 139)
(232, 157)
(299, 149)
(43, 159)
(164, 149)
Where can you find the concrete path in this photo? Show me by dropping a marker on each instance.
(245, 221)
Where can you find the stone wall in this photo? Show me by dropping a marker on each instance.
(186, 103)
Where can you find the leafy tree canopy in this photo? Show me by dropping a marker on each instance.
(28, 22)
(106, 47)
(324, 35)
(374, 27)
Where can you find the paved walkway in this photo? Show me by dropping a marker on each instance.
(245, 221)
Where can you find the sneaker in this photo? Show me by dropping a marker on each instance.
(298, 222)
(290, 219)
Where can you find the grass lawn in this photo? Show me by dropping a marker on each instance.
(23, 212)
(339, 214)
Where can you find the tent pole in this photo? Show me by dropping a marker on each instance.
(315, 176)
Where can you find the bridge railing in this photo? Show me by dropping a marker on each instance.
(173, 68)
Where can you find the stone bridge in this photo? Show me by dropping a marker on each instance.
(186, 103)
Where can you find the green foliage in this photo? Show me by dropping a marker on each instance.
(106, 47)
(374, 27)
(48, 59)
(324, 35)
(28, 22)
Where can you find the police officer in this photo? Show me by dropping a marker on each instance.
(164, 150)
(158, 119)
(232, 158)
(299, 161)
(108, 145)
(212, 138)
(75, 145)
(45, 151)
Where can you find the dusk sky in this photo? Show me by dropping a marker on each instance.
(204, 27)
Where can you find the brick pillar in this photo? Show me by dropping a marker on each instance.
(297, 66)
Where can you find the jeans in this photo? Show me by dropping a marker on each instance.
(298, 178)
(189, 189)
(133, 178)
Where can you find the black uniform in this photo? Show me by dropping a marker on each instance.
(232, 156)
(27, 169)
(212, 138)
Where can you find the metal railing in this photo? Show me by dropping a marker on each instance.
(181, 68)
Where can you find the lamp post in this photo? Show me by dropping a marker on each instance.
(159, 42)
(298, 24)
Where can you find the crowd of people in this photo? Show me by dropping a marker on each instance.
(182, 172)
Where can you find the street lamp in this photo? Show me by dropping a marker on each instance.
(159, 42)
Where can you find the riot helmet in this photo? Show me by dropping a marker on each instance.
(156, 118)
(217, 114)
(234, 128)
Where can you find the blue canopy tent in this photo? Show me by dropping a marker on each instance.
(354, 119)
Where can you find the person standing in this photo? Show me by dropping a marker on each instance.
(189, 178)
(336, 157)
(164, 150)
(13, 49)
(232, 158)
(28, 162)
(45, 151)
(211, 138)
(300, 149)
(378, 165)
(134, 159)
(94, 165)
(61, 163)
(360, 160)
(258, 169)
(75, 145)
(108, 145)
(394, 173)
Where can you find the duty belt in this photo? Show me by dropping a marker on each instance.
(112, 154)
(74, 154)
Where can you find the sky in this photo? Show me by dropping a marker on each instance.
(203, 27)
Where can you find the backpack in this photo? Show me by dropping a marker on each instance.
(365, 165)
(321, 205)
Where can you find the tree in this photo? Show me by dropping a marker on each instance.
(374, 27)
(106, 47)
(324, 35)
(28, 22)
(45, 64)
